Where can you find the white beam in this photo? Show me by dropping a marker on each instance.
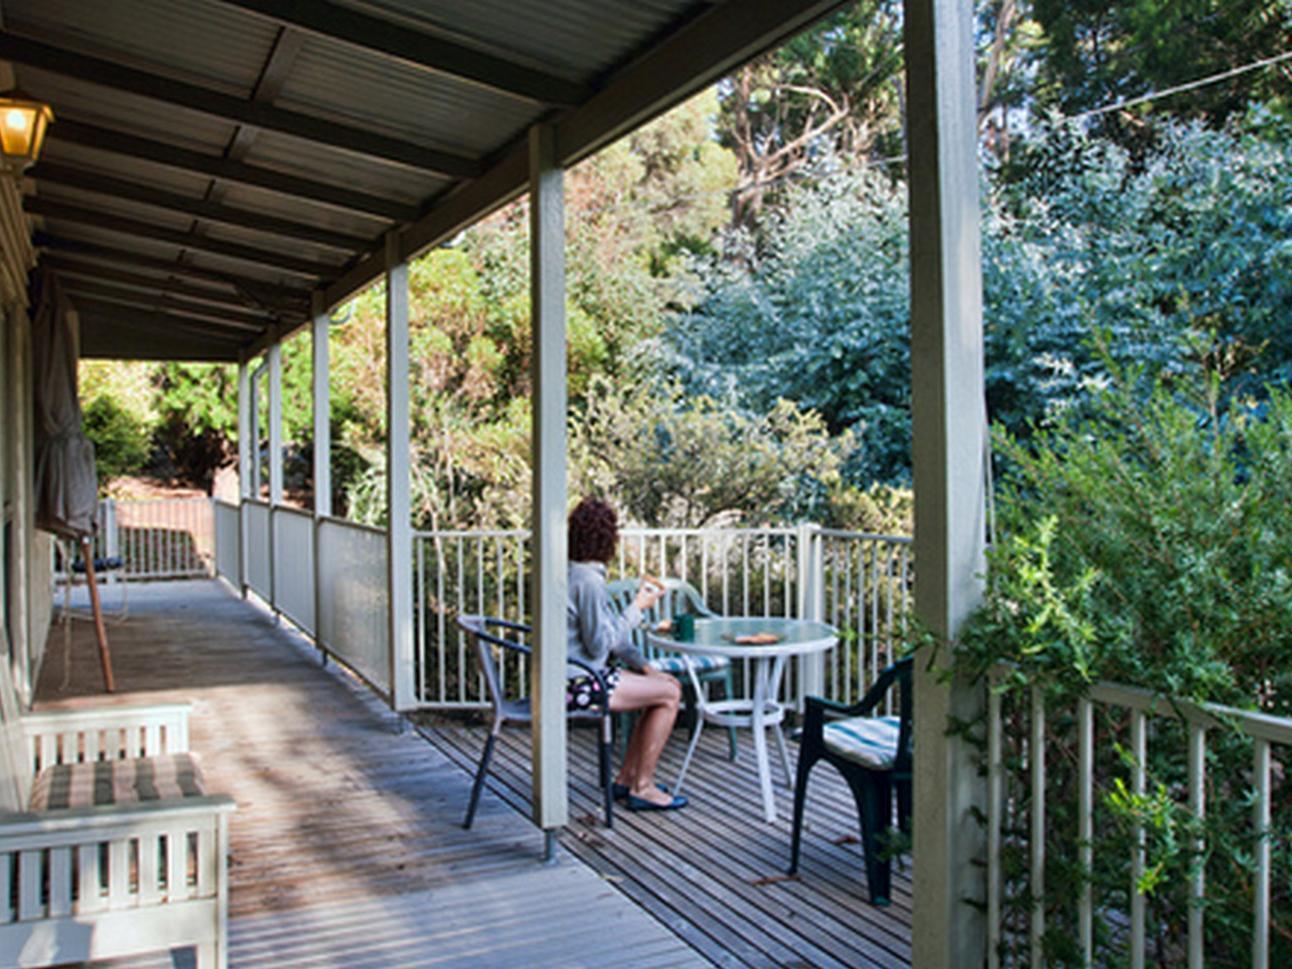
(275, 356)
(948, 450)
(547, 370)
(322, 410)
(399, 536)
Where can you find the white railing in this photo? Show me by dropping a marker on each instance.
(1103, 746)
(329, 577)
(856, 581)
(866, 594)
(164, 538)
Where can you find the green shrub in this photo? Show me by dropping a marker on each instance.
(1148, 544)
(120, 439)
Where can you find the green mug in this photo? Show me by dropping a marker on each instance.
(684, 627)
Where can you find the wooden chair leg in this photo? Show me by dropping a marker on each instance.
(478, 784)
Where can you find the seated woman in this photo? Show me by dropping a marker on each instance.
(597, 634)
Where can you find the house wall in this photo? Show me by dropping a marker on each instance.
(26, 580)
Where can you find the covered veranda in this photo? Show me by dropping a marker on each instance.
(223, 173)
(347, 848)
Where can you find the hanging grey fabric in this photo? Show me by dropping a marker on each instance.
(66, 482)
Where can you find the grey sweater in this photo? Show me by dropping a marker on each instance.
(595, 631)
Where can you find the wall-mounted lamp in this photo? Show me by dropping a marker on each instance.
(23, 121)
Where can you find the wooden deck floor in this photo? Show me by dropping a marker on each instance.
(713, 871)
(347, 850)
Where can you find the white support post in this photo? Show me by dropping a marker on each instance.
(547, 369)
(19, 421)
(322, 387)
(6, 419)
(811, 562)
(399, 534)
(246, 452)
(322, 410)
(948, 431)
(275, 360)
(274, 376)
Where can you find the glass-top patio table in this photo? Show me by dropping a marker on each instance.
(737, 638)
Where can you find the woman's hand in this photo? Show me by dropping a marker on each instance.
(649, 592)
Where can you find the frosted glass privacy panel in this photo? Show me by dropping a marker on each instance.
(352, 617)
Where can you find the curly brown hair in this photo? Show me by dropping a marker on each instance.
(593, 531)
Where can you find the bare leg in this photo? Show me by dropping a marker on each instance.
(657, 696)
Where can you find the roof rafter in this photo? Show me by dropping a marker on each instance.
(282, 299)
(230, 319)
(155, 320)
(259, 114)
(39, 205)
(172, 156)
(54, 173)
(420, 50)
(70, 267)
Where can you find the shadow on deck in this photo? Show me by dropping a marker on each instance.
(347, 848)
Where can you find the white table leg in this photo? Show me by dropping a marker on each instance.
(700, 698)
(757, 716)
(774, 689)
(785, 756)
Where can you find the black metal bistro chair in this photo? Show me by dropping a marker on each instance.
(518, 711)
(874, 756)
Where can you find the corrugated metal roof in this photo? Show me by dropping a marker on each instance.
(331, 78)
(122, 166)
(193, 40)
(283, 207)
(284, 153)
(578, 39)
(286, 137)
(76, 100)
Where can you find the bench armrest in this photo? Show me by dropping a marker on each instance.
(108, 733)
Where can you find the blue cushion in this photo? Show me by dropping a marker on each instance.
(868, 741)
(676, 665)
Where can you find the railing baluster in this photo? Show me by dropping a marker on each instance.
(1085, 827)
(846, 671)
(1261, 914)
(995, 800)
(1198, 805)
(873, 633)
(1139, 751)
(1036, 754)
(442, 641)
(522, 672)
(460, 551)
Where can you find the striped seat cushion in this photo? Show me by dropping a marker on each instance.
(676, 665)
(117, 782)
(868, 741)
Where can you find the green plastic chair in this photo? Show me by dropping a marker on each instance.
(873, 753)
(679, 598)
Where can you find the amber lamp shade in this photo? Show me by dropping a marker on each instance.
(23, 122)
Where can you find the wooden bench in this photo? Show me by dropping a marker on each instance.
(109, 845)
